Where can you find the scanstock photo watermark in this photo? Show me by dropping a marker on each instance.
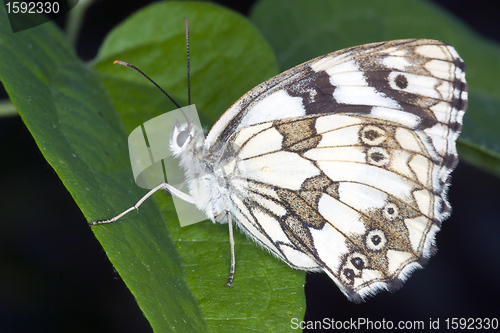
(368, 324)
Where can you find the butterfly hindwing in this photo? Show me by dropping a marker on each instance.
(342, 163)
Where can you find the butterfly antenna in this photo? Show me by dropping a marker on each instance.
(186, 28)
(126, 64)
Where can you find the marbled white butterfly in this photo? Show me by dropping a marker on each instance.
(341, 164)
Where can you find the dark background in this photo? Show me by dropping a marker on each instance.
(55, 277)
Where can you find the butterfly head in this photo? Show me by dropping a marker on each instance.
(183, 137)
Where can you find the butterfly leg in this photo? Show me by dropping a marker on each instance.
(231, 242)
(165, 186)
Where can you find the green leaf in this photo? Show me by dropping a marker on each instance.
(307, 29)
(79, 132)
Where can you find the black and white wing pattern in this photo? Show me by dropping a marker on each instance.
(341, 164)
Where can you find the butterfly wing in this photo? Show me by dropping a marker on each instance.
(343, 162)
(413, 81)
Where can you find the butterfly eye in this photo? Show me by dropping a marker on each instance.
(182, 137)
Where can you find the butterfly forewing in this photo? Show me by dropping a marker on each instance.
(342, 164)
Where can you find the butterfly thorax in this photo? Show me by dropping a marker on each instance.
(206, 171)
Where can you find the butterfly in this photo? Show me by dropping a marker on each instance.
(341, 164)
